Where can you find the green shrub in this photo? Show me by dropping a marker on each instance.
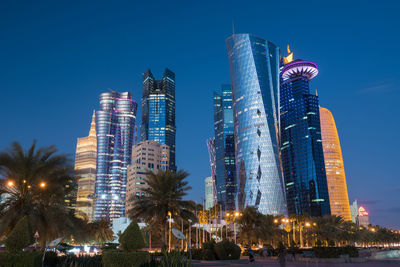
(132, 238)
(174, 259)
(219, 251)
(81, 261)
(21, 259)
(20, 237)
(208, 254)
(351, 251)
(231, 249)
(124, 259)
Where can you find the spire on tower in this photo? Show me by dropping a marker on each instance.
(92, 131)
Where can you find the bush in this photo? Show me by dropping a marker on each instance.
(220, 252)
(81, 261)
(124, 259)
(174, 259)
(224, 250)
(132, 239)
(21, 259)
(351, 251)
(20, 237)
(231, 249)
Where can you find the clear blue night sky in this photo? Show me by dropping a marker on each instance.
(56, 57)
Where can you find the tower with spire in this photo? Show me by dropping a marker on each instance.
(300, 140)
(85, 172)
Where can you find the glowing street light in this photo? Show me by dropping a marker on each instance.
(307, 224)
(42, 185)
(10, 183)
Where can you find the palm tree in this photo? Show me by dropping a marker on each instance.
(34, 185)
(165, 193)
(100, 231)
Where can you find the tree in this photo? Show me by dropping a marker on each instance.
(132, 239)
(20, 237)
(165, 194)
(35, 186)
(100, 231)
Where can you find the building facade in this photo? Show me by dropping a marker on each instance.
(146, 156)
(158, 111)
(225, 179)
(209, 193)
(115, 122)
(335, 175)
(254, 71)
(85, 172)
(212, 155)
(354, 211)
(301, 143)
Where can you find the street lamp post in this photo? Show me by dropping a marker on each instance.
(169, 236)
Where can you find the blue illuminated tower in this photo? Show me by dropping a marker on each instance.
(115, 122)
(225, 179)
(158, 111)
(254, 70)
(301, 145)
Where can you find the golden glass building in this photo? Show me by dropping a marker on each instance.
(85, 172)
(337, 188)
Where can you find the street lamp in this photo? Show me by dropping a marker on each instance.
(236, 215)
(169, 239)
(10, 183)
(42, 184)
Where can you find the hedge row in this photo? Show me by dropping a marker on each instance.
(125, 259)
(335, 252)
(27, 259)
(224, 250)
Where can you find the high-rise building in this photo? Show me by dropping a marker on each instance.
(209, 193)
(224, 148)
(146, 156)
(85, 172)
(115, 122)
(337, 188)
(363, 217)
(158, 111)
(301, 143)
(354, 211)
(254, 71)
(211, 153)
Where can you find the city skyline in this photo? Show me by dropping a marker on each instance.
(49, 61)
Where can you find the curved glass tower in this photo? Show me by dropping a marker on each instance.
(335, 176)
(115, 122)
(301, 145)
(254, 70)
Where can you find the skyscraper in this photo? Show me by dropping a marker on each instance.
(158, 111)
(211, 153)
(301, 143)
(254, 70)
(146, 156)
(85, 172)
(209, 193)
(337, 188)
(115, 122)
(224, 148)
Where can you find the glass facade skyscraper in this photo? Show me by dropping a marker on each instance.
(158, 111)
(254, 71)
(301, 143)
(225, 179)
(336, 178)
(115, 122)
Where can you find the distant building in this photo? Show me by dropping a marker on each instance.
(337, 187)
(225, 179)
(254, 72)
(211, 153)
(354, 211)
(301, 143)
(85, 173)
(115, 122)
(209, 193)
(146, 156)
(158, 111)
(363, 217)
